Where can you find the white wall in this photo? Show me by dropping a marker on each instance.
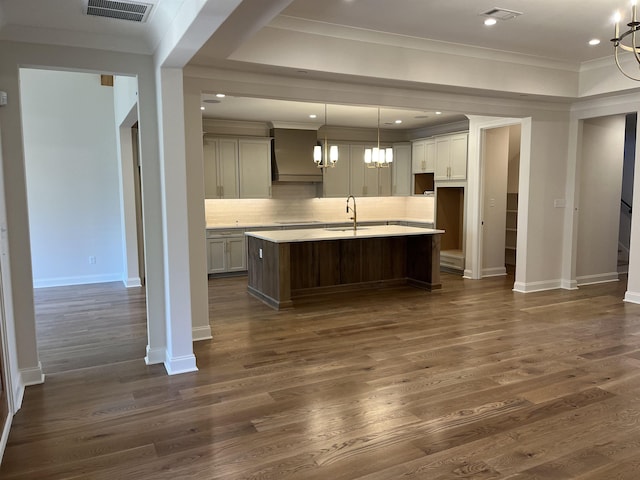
(599, 205)
(72, 178)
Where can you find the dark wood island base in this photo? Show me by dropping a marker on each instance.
(282, 271)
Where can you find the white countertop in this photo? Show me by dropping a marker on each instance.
(340, 233)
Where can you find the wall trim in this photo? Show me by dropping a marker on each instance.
(24, 378)
(79, 280)
(632, 297)
(494, 272)
(569, 284)
(5, 434)
(32, 376)
(201, 333)
(597, 278)
(132, 282)
(528, 287)
(154, 356)
(183, 364)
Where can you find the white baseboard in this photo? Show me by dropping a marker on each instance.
(25, 378)
(184, 364)
(132, 282)
(32, 376)
(536, 286)
(154, 356)
(494, 272)
(201, 333)
(632, 297)
(598, 278)
(5, 435)
(81, 280)
(569, 285)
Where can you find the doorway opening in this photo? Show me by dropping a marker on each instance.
(600, 203)
(500, 179)
(626, 196)
(77, 222)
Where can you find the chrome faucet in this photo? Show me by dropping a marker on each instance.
(355, 215)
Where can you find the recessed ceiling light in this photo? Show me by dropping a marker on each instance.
(313, 115)
(398, 121)
(594, 41)
(201, 108)
(438, 113)
(220, 95)
(490, 21)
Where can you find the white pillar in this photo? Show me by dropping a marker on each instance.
(179, 356)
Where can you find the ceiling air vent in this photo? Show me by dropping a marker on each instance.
(132, 11)
(501, 13)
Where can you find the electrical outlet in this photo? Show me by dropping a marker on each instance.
(92, 260)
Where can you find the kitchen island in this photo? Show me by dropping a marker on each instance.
(288, 264)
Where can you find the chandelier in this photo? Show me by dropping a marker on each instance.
(325, 156)
(627, 40)
(377, 157)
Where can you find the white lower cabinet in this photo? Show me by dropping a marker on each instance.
(226, 253)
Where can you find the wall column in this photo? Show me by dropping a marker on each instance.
(179, 357)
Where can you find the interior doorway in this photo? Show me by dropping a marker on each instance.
(500, 199)
(78, 216)
(626, 197)
(600, 211)
(137, 190)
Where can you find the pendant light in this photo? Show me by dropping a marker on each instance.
(325, 156)
(377, 157)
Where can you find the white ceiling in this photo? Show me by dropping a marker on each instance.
(63, 22)
(555, 29)
(550, 29)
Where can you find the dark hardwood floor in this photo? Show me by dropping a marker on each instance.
(471, 381)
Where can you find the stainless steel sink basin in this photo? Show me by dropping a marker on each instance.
(343, 229)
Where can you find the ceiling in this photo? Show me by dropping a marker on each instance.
(556, 30)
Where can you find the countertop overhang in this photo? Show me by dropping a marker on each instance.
(345, 233)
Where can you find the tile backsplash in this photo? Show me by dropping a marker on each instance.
(298, 202)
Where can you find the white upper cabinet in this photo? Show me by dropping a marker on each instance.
(401, 169)
(255, 167)
(423, 155)
(336, 180)
(451, 157)
(237, 168)
(221, 168)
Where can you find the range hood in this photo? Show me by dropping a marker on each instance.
(292, 155)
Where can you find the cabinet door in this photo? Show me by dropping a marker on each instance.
(429, 156)
(384, 180)
(458, 158)
(401, 169)
(236, 254)
(216, 261)
(335, 181)
(255, 168)
(228, 168)
(210, 158)
(443, 154)
(364, 180)
(418, 156)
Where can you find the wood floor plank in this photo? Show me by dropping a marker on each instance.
(470, 381)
